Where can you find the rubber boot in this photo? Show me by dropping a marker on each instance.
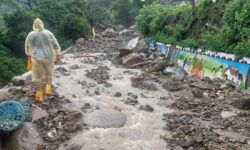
(48, 90)
(39, 96)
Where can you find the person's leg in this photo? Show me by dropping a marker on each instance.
(49, 69)
(37, 78)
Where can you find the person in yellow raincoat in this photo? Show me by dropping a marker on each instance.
(42, 48)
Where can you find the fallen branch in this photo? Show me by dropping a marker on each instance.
(140, 64)
(81, 56)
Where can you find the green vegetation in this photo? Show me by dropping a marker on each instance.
(67, 19)
(222, 26)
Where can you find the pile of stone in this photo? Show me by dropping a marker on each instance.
(141, 56)
(210, 114)
(107, 40)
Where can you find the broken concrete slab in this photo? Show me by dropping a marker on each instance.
(106, 119)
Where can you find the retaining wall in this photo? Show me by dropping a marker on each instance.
(206, 66)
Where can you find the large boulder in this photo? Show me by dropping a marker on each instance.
(141, 46)
(241, 103)
(132, 58)
(174, 71)
(80, 41)
(123, 51)
(4, 95)
(110, 33)
(106, 119)
(18, 81)
(119, 27)
(25, 138)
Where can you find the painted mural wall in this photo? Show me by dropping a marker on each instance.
(205, 66)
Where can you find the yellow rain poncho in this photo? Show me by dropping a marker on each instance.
(42, 46)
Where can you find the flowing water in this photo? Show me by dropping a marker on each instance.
(143, 129)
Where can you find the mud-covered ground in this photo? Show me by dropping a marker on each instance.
(99, 105)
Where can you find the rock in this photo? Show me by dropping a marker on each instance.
(25, 138)
(131, 59)
(207, 80)
(110, 33)
(132, 28)
(189, 142)
(73, 147)
(118, 94)
(74, 115)
(134, 96)
(141, 46)
(119, 27)
(123, 51)
(198, 93)
(80, 41)
(228, 114)
(173, 86)
(174, 71)
(192, 79)
(241, 103)
(130, 101)
(4, 95)
(200, 85)
(73, 67)
(178, 148)
(17, 81)
(183, 119)
(147, 108)
(106, 119)
(39, 113)
(116, 60)
(106, 84)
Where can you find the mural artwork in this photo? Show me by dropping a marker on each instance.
(205, 65)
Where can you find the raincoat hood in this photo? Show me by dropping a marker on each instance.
(38, 25)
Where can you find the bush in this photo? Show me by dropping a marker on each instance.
(19, 24)
(9, 65)
(74, 27)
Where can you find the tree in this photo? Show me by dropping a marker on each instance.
(19, 24)
(74, 27)
(120, 12)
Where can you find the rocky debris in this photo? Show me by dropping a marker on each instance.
(173, 86)
(63, 71)
(110, 33)
(131, 101)
(147, 108)
(141, 46)
(4, 95)
(118, 94)
(201, 108)
(18, 81)
(119, 27)
(132, 95)
(73, 147)
(227, 114)
(130, 59)
(174, 71)
(123, 51)
(74, 67)
(198, 93)
(106, 119)
(39, 113)
(144, 82)
(100, 74)
(80, 41)
(25, 138)
(242, 103)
